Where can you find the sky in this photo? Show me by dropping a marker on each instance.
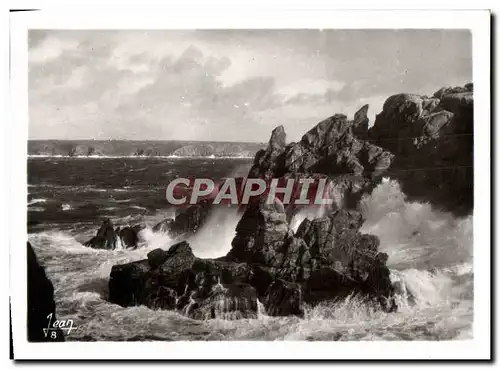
(227, 85)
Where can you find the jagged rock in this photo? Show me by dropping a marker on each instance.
(333, 148)
(284, 298)
(130, 236)
(269, 159)
(346, 258)
(180, 258)
(327, 283)
(105, 238)
(432, 140)
(191, 218)
(187, 221)
(331, 243)
(126, 283)
(360, 123)
(295, 261)
(176, 279)
(164, 226)
(277, 141)
(267, 262)
(259, 233)
(234, 301)
(328, 258)
(439, 94)
(40, 303)
(157, 257)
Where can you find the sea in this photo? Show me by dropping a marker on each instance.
(430, 256)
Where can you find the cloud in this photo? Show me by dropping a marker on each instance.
(49, 49)
(226, 85)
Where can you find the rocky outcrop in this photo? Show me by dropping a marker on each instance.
(328, 258)
(328, 246)
(432, 140)
(416, 139)
(187, 221)
(105, 238)
(334, 148)
(40, 303)
(426, 143)
(176, 279)
(129, 236)
(109, 238)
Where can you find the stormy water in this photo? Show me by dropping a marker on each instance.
(430, 256)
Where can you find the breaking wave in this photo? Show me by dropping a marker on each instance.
(415, 235)
(36, 201)
(430, 257)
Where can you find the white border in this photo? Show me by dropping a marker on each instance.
(203, 17)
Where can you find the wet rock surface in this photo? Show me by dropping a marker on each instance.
(109, 238)
(335, 148)
(40, 303)
(331, 259)
(187, 221)
(176, 279)
(424, 142)
(432, 140)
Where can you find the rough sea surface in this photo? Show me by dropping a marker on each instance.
(430, 256)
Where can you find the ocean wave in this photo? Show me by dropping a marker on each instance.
(36, 201)
(430, 260)
(431, 302)
(415, 235)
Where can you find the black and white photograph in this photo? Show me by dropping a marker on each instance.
(253, 184)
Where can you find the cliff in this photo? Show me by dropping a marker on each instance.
(433, 146)
(142, 148)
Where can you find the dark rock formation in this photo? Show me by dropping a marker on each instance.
(333, 148)
(360, 123)
(432, 140)
(425, 142)
(107, 237)
(188, 220)
(176, 279)
(129, 236)
(40, 303)
(284, 298)
(157, 257)
(262, 229)
(163, 226)
(328, 246)
(268, 161)
(329, 260)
